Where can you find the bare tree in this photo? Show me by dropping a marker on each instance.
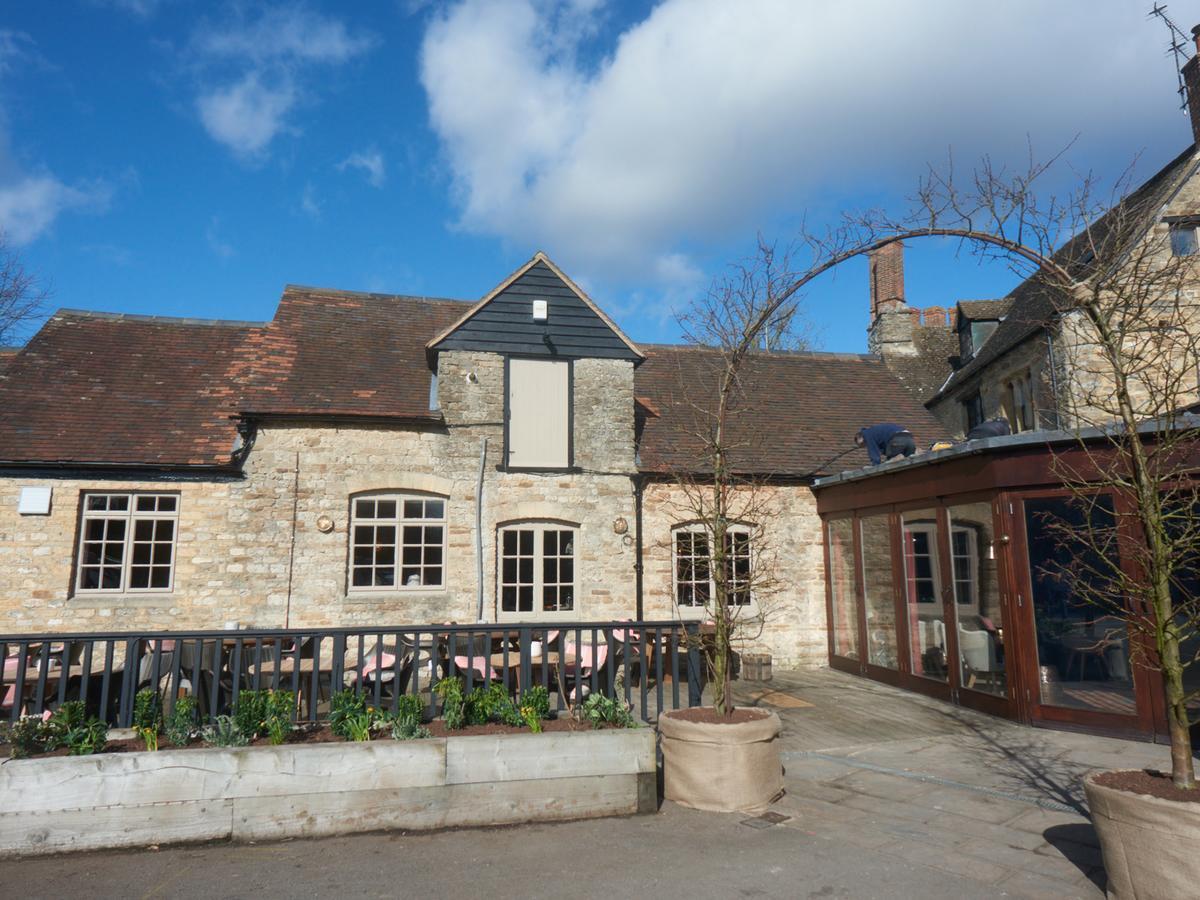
(1105, 276)
(22, 297)
(725, 499)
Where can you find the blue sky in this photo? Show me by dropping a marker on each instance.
(186, 158)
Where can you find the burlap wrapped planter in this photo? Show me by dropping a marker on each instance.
(720, 767)
(1151, 846)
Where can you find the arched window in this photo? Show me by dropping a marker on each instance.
(397, 542)
(694, 583)
(537, 574)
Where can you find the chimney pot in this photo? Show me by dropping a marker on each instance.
(887, 279)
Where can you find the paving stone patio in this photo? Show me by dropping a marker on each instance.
(889, 795)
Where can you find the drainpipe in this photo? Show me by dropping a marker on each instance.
(638, 487)
(287, 612)
(479, 528)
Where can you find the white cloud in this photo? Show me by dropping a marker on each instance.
(309, 203)
(221, 247)
(370, 162)
(708, 119)
(29, 204)
(247, 115)
(255, 72)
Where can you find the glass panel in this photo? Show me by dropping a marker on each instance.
(1083, 650)
(977, 599)
(385, 509)
(97, 501)
(922, 580)
(414, 509)
(841, 571)
(878, 592)
(435, 509)
(118, 502)
(146, 504)
(364, 509)
(167, 504)
(160, 577)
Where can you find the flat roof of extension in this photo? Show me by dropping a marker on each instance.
(988, 446)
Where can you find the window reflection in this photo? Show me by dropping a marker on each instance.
(877, 590)
(841, 571)
(1082, 647)
(977, 599)
(926, 618)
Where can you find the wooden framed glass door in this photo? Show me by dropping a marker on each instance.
(1076, 664)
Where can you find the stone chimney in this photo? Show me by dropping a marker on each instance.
(1191, 82)
(891, 330)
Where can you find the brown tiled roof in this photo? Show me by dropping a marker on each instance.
(7, 355)
(801, 411)
(1034, 304)
(95, 388)
(985, 309)
(332, 352)
(125, 390)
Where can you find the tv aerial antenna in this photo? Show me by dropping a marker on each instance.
(1178, 47)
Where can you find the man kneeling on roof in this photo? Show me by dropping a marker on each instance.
(886, 441)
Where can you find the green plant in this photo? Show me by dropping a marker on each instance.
(181, 723)
(450, 690)
(491, 704)
(530, 716)
(278, 722)
(251, 712)
(86, 738)
(410, 710)
(224, 732)
(537, 698)
(598, 710)
(350, 717)
(147, 717)
(30, 735)
(407, 731)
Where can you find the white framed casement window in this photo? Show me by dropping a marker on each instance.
(693, 576)
(127, 543)
(397, 542)
(921, 562)
(1019, 403)
(538, 413)
(537, 571)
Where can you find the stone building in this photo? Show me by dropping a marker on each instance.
(1028, 357)
(368, 459)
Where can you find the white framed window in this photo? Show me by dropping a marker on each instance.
(397, 542)
(127, 542)
(1019, 403)
(964, 555)
(694, 582)
(538, 575)
(921, 561)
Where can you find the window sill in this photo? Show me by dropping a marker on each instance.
(540, 470)
(367, 597)
(102, 601)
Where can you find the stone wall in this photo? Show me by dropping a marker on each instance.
(789, 622)
(1033, 357)
(250, 552)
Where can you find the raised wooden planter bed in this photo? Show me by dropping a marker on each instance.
(55, 804)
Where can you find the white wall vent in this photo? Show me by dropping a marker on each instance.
(34, 501)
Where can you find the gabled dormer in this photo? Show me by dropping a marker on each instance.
(567, 371)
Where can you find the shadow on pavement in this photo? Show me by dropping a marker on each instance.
(1078, 844)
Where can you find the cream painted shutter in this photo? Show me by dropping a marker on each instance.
(539, 395)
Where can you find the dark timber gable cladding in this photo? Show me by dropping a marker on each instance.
(505, 324)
